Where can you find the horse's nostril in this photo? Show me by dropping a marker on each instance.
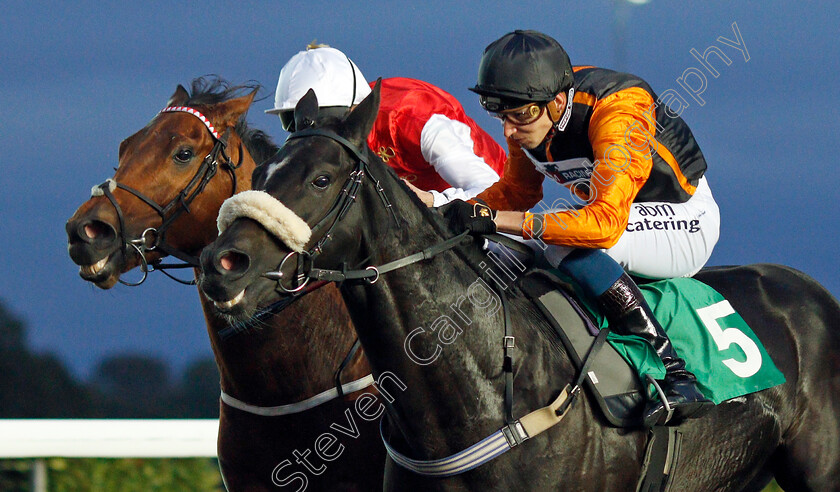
(91, 231)
(233, 262)
(94, 230)
(226, 262)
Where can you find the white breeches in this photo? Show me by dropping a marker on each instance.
(662, 240)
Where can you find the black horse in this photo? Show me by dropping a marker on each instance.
(449, 392)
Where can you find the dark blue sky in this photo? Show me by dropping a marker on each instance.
(78, 77)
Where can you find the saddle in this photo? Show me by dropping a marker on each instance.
(613, 383)
(611, 380)
(717, 344)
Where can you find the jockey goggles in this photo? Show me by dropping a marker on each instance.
(515, 112)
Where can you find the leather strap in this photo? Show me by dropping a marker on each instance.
(506, 438)
(372, 273)
(301, 406)
(661, 458)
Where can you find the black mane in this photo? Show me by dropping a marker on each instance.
(471, 252)
(212, 89)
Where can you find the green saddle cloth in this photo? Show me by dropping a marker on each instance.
(716, 343)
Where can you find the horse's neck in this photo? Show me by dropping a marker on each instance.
(434, 326)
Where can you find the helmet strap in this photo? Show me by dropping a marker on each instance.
(353, 71)
(561, 119)
(548, 136)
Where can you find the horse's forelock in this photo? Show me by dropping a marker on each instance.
(212, 89)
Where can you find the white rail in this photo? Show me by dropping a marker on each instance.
(108, 438)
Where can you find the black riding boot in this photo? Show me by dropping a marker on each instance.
(628, 313)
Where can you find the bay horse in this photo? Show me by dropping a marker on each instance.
(338, 213)
(164, 200)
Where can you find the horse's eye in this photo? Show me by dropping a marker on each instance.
(321, 181)
(184, 155)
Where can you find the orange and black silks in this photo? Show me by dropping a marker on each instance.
(641, 151)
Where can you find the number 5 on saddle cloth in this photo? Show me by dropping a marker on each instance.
(716, 343)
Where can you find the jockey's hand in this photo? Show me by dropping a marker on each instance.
(426, 197)
(462, 216)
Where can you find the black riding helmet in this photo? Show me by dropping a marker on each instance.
(522, 67)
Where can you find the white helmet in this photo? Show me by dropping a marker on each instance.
(336, 80)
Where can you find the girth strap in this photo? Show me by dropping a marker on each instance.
(506, 438)
(485, 450)
(661, 459)
(587, 363)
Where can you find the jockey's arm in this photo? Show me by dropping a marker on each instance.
(510, 222)
(448, 147)
(623, 166)
(520, 187)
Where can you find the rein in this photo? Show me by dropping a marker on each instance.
(153, 238)
(371, 273)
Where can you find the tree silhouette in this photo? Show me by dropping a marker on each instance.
(199, 390)
(137, 386)
(132, 386)
(35, 385)
(38, 385)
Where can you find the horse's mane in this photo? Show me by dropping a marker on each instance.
(212, 89)
(471, 253)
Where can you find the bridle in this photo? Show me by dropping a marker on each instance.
(305, 269)
(325, 226)
(346, 198)
(154, 238)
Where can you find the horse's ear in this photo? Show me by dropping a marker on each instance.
(306, 110)
(359, 122)
(227, 113)
(179, 97)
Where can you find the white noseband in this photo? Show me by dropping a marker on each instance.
(268, 211)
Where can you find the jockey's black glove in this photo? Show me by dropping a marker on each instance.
(462, 216)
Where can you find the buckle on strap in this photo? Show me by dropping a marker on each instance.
(515, 434)
(508, 342)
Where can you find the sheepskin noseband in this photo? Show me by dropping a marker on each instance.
(268, 211)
